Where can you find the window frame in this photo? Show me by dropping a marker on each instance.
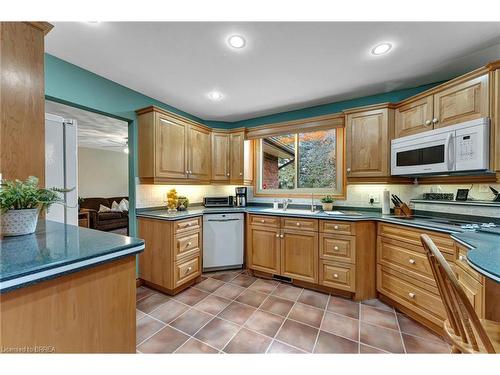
(302, 192)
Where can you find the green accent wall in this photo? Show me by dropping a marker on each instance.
(324, 109)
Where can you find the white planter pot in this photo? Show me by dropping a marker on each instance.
(327, 206)
(19, 222)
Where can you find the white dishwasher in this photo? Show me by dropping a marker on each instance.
(222, 241)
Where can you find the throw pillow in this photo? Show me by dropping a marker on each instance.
(103, 208)
(123, 206)
(115, 207)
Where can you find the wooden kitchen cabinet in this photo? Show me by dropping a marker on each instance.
(171, 260)
(220, 157)
(414, 117)
(463, 102)
(172, 149)
(368, 139)
(263, 249)
(299, 255)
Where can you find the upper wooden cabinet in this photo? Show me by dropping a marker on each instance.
(368, 137)
(172, 149)
(414, 117)
(232, 158)
(464, 101)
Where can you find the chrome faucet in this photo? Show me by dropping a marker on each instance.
(286, 202)
(313, 207)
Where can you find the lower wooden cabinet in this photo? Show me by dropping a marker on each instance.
(263, 249)
(314, 253)
(299, 255)
(171, 260)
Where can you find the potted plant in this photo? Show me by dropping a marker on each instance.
(327, 203)
(21, 202)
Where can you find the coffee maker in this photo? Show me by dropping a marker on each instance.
(241, 196)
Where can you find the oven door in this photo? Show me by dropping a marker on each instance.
(420, 155)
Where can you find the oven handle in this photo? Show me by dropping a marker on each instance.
(449, 151)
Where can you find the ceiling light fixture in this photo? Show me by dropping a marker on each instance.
(236, 41)
(215, 95)
(381, 49)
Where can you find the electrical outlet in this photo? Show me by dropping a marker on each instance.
(372, 198)
(483, 188)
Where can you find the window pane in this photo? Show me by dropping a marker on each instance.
(278, 162)
(317, 159)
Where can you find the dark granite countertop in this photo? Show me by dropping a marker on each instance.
(56, 249)
(484, 255)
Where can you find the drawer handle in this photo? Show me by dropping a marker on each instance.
(336, 227)
(188, 269)
(335, 276)
(411, 295)
(335, 248)
(411, 261)
(298, 224)
(461, 257)
(189, 243)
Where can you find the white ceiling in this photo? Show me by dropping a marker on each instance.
(94, 130)
(284, 66)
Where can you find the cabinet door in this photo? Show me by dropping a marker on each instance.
(199, 154)
(248, 162)
(368, 139)
(264, 249)
(299, 255)
(414, 117)
(463, 102)
(237, 157)
(171, 156)
(220, 157)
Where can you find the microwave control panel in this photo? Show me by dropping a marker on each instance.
(465, 148)
(471, 148)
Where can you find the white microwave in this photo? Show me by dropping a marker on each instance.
(457, 148)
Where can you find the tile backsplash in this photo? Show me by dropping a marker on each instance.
(357, 196)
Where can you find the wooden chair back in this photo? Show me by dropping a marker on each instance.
(462, 317)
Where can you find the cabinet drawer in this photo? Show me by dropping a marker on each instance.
(339, 227)
(412, 236)
(461, 261)
(186, 270)
(187, 245)
(413, 296)
(297, 223)
(404, 257)
(337, 275)
(472, 288)
(187, 225)
(337, 247)
(268, 221)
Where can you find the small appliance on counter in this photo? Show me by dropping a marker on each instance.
(241, 196)
(218, 201)
(438, 196)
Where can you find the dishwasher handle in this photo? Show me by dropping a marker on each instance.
(235, 219)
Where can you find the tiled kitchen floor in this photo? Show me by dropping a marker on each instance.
(232, 312)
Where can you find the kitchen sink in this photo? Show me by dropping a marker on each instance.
(291, 211)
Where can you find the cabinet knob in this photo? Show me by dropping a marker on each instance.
(241, 173)
(435, 120)
(335, 276)
(461, 257)
(411, 295)
(411, 261)
(281, 236)
(188, 224)
(187, 172)
(227, 174)
(335, 248)
(262, 221)
(277, 234)
(348, 170)
(188, 269)
(189, 243)
(427, 122)
(298, 224)
(336, 227)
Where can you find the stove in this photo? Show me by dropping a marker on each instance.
(462, 224)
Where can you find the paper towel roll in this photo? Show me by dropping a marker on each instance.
(386, 205)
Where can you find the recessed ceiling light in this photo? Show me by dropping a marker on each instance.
(236, 41)
(381, 49)
(215, 95)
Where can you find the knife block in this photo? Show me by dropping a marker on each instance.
(403, 210)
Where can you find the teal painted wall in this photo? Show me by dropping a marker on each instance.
(393, 96)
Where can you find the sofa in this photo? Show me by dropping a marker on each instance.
(105, 221)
